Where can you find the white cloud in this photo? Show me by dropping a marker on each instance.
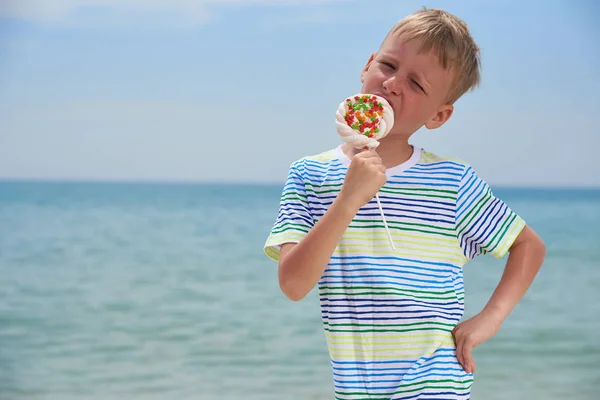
(95, 13)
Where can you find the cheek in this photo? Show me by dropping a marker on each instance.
(412, 108)
(409, 94)
(373, 77)
(409, 102)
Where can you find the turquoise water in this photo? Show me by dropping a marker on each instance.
(161, 291)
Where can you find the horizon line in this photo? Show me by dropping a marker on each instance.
(198, 182)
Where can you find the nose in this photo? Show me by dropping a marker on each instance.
(392, 85)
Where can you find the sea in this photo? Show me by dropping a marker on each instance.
(162, 291)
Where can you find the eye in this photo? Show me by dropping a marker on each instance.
(418, 86)
(389, 65)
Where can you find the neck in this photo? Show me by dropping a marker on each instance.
(392, 150)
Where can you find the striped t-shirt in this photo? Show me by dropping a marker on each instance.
(388, 315)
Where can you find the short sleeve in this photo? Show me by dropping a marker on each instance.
(484, 223)
(294, 219)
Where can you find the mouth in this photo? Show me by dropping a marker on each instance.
(384, 97)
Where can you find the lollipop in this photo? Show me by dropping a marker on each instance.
(361, 121)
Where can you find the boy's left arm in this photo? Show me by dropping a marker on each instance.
(526, 256)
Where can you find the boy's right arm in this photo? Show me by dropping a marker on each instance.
(301, 265)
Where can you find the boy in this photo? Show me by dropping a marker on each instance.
(391, 317)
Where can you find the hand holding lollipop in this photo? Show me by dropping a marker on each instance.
(361, 121)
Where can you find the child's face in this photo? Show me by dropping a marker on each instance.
(416, 85)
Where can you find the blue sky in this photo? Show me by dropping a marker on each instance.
(206, 90)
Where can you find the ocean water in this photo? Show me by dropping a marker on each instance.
(162, 291)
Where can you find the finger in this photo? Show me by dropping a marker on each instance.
(456, 334)
(369, 154)
(371, 161)
(459, 347)
(467, 356)
(374, 161)
(382, 168)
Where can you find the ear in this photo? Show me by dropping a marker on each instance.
(444, 113)
(366, 68)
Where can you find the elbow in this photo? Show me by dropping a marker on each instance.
(292, 295)
(531, 244)
(542, 251)
(290, 289)
(542, 248)
(290, 286)
(539, 247)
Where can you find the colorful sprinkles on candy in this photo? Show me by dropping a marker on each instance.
(364, 114)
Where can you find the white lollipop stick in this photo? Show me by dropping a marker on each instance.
(385, 222)
(361, 120)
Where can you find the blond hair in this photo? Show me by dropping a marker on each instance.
(449, 38)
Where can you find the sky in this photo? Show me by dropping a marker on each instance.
(235, 91)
